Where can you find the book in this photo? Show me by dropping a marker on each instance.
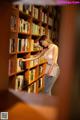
(20, 65)
(12, 45)
(44, 17)
(22, 45)
(31, 75)
(35, 29)
(40, 70)
(32, 45)
(40, 81)
(19, 82)
(20, 7)
(27, 9)
(31, 62)
(32, 88)
(35, 12)
(24, 26)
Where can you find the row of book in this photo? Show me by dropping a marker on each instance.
(24, 26)
(33, 87)
(21, 65)
(35, 29)
(25, 8)
(19, 84)
(35, 12)
(23, 45)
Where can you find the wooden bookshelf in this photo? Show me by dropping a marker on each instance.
(29, 25)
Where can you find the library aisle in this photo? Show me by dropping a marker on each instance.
(27, 24)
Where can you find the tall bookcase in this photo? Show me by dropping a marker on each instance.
(27, 24)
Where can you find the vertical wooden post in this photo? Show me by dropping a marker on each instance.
(4, 38)
(66, 59)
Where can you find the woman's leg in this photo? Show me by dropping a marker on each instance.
(49, 82)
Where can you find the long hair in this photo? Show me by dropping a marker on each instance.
(42, 38)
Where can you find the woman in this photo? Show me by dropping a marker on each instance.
(50, 53)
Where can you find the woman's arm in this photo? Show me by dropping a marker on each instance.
(36, 57)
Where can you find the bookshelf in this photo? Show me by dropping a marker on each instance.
(27, 24)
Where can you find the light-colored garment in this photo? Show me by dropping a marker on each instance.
(51, 55)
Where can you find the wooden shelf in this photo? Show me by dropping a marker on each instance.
(45, 10)
(13, 53)
(32, 67)
(44, 24)
(40, 76)
(50, 27)
(24, 15)
(13, 31)
(23, 52)
(23, 33)
(35, 51)
(35, 20)
(32, 81)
